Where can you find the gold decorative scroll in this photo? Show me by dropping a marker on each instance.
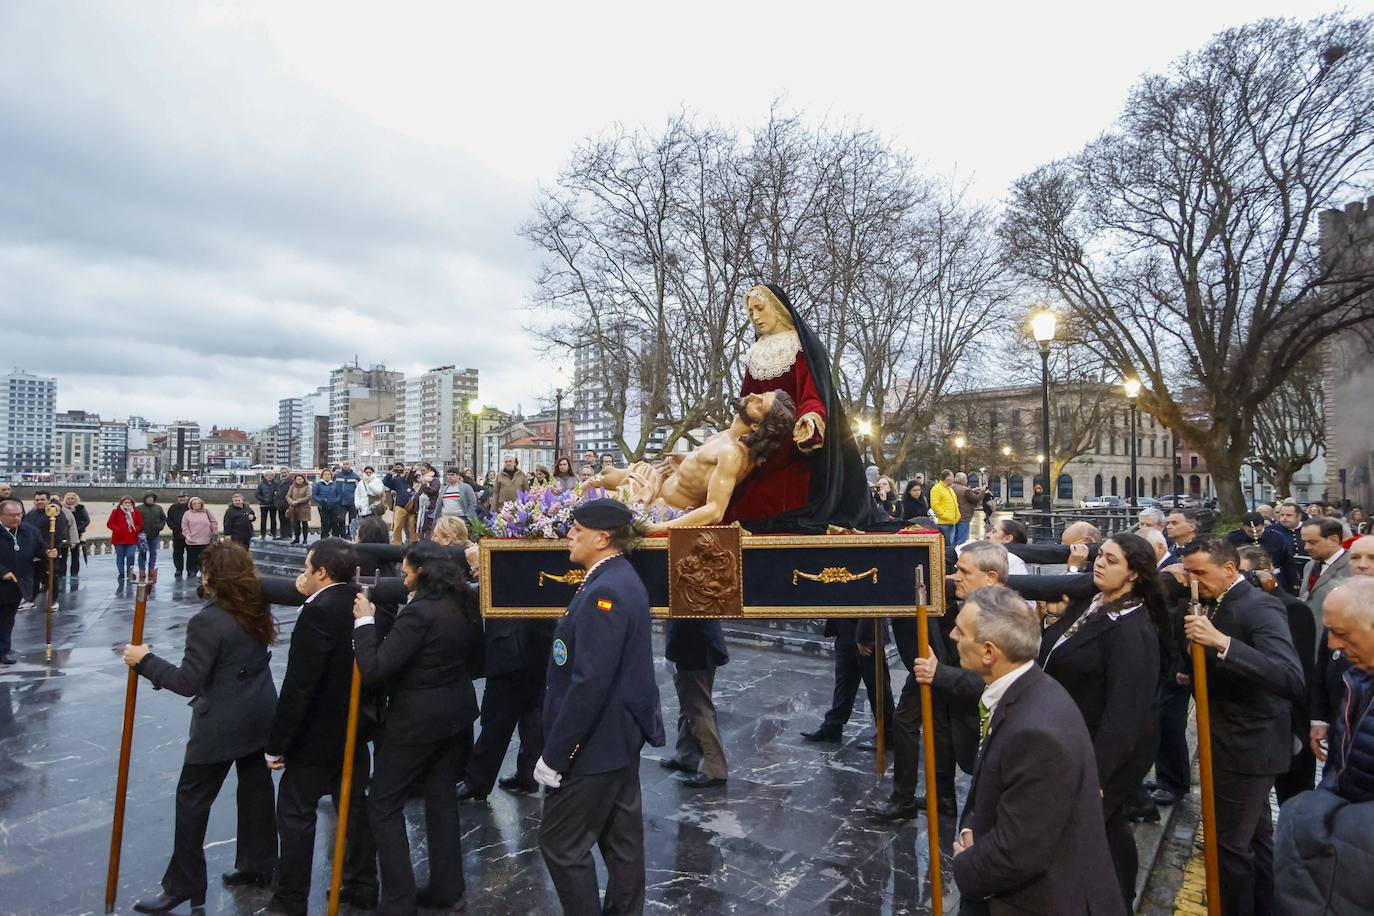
(833, 574)
(571, 577)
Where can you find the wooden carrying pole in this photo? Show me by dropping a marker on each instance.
(879, 704)
(346, 777)
(52, 578)
(126, 744)
(1204, 768)
(937, 902)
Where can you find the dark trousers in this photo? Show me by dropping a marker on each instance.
(1172, 772)
(1301, 776)
(851, 668)
(7, 611)
(193, 552)
(510, 701)
(699, 748)
(1121, 843)
(288, 527)
(602, 810)
(257, 834)
(434, 768)
(267, 514)
(1245, 840)
(179, 554)
(907, 749)
(69, 560)
(298, 798)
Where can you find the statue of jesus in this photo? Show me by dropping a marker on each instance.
(704, 480)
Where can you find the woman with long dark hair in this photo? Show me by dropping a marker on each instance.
(915, 505)
(1107, 656)
(225, 670)
(564, 475)
(426, 736)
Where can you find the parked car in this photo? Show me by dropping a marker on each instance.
(1184, 502)
(1103, 502)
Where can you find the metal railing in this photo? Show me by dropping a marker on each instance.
(1048, 527)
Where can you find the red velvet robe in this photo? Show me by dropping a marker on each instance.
(783, 482)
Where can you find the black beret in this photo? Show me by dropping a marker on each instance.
(603, 514)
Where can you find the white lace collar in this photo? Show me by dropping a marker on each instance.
(771, 356)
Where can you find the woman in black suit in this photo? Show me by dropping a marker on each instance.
(1107, 657)
(426, 735)
(225, 670)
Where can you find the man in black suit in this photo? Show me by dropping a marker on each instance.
(174, 516)
(1253, 677)
(600, 707)
(516, 661)
(696, 648)
(1031, 836)
(21, 548)
(308, 731)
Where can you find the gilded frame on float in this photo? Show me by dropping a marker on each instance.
(795, 545)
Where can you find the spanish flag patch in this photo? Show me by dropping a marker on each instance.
(603, 604)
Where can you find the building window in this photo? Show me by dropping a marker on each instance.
(1016, 487)
(1097, 485)
(1114, 493)
(1065, 486)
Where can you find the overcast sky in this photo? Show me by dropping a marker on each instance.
(205, 208)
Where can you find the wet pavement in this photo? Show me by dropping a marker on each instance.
(788, 834)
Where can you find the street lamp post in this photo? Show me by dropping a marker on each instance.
(865, 430)
(959, 443)
(1132, 392)
(475, 408)
(1006, 466)
(560, 383)
(1042, 328)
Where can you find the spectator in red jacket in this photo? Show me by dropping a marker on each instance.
(125, 524)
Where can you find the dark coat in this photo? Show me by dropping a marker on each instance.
(1326, 686)
(1253, 689)
(33, 549)
(1300, 627)
(424, 659)
(1350, 764)
(154, 519)
(312, 712)
(695, 645)
(1039, 845)
(238, 524)
(518, 647)
(174, 514)
(265, 494)
(602, 701)
(1111, 670)
(279, 488)
(38, 519)
(226, 674)
(1323, 855)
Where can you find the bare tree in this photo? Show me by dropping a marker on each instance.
(1184, 241)
(1290, 429)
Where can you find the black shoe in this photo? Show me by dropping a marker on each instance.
(1146, 813)
(518, 784)
(179, 574)
(703, 782)
(824, 735)
(466, 793)
(164, 902)
(238, 878)
(672, 763)
(895, 809)
(1163, 797)
(427, 900)
(7, 658)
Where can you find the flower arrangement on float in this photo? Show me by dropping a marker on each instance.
(547, 512)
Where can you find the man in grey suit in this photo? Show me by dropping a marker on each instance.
(1330, 563)
(1253, 677)
(1032, 838)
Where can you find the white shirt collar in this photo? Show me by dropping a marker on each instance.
(321, 591)
(992, 693)
(1328, 563)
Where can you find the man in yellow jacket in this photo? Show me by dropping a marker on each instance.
(945, 505)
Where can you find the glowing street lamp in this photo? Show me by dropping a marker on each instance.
(475, 408)
(865, 430)
(1132, 387)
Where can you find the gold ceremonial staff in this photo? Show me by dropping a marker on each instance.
(53, 512)
(937, 902)
(346, 777)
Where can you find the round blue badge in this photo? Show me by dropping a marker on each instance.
(560, 652)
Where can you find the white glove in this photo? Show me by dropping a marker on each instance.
(545, 775)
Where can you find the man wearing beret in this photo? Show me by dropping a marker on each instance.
(601, 706)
